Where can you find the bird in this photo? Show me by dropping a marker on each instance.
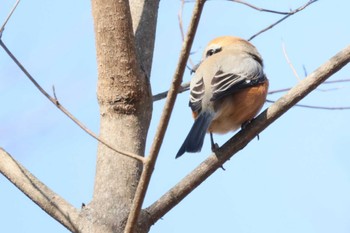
(227, 90)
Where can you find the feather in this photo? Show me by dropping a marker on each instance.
(196, 96)
(195, 138)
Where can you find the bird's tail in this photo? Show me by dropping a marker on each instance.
(195, 138)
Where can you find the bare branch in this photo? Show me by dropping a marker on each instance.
(8, 17)
(184, 87)
(164, 121)
(289, 62)
(182, 28)
(179, 16)
(326, 82)
(243, 137)
(45, 198)
(64, 110)
(278, 91)
(287, 14)
(305, 71)
(261, 9)
(315, 107)
(282, 19)
(268, 27)
(337, 81)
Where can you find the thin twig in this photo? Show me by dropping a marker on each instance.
(305, 71)
(184, 87)
(326, 82)
(289, 62)
(337, 81)
(328, 89)
(261, 9)
(54, 93)
(176, 194)
(179, 17)
(164, 121)
(282, 19)
(8, 17)
(315, 107)
(39, 193)
(65, 111)
(278, 91)
(182, 31)
(287, 14)
(268, 28)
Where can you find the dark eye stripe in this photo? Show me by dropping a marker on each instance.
(210, 52)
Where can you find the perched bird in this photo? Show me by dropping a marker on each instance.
(227, 90)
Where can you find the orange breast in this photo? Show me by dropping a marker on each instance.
(239, 108)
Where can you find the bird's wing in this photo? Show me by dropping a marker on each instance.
(196, 94)
(235, 74)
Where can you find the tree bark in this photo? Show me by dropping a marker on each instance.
(124, 97)
(144, 20)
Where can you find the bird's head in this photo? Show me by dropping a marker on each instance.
(226, 43)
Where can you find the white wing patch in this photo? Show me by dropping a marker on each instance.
(196, 96)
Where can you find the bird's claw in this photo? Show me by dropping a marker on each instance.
(214, 147)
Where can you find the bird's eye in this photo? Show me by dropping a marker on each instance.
(210, 52)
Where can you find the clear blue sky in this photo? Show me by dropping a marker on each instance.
(296, 178)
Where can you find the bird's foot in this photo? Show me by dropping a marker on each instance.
(246, 123)
(214, 147)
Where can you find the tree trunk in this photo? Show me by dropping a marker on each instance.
(124, 97)
(144, 20)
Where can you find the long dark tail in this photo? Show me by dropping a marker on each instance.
(195, 138)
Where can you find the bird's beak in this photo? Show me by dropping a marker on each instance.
(195, 67)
